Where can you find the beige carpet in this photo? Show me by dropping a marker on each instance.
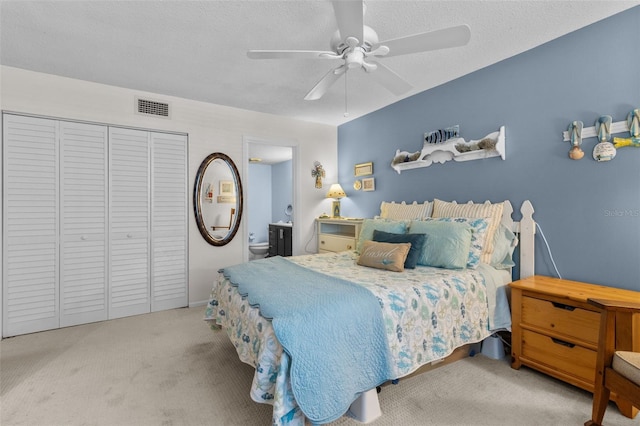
(168, 368)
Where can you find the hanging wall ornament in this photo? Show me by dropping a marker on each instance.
(575, 133)
(633, 123)
(317, 173)
(604, 150)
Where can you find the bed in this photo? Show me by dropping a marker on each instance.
(320, 353)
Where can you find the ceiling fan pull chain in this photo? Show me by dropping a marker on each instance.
(346, 111)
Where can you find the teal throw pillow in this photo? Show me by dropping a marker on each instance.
(479, 228)
(370, 225)
(446, 245)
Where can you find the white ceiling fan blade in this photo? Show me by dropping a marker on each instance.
(389, 79)
(350, 20)
(292, 54)
(325, 82)
(423, 42)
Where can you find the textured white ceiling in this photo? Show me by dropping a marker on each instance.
(197, 49)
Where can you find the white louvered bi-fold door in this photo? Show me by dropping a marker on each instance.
(129, 218)
(30, 225)
(83, 212)
(169, 244)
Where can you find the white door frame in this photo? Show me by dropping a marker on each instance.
(293, 144)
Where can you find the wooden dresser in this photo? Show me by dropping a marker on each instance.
(556, 331)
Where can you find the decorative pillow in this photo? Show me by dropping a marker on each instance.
(504, 243)
(479, 227)
(416, 240)
(403, 211)
(370, 225)
(492, 212)
(384, 255)
(447, 243)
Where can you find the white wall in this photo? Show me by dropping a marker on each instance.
(211, 128)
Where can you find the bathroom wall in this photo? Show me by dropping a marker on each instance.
(260, 205)
(271, 189)
(282, 195)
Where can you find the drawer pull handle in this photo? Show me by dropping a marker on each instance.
(563, 306)
(563, 343)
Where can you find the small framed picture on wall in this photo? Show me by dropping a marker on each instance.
(369, 184)
(364, 169)
(227, 187)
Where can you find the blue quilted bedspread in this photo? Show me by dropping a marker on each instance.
(323, 325)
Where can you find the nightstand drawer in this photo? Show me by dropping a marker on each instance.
(561, 318)
(335, 243)
(561, 356)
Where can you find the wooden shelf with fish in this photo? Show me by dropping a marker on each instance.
(456, 149)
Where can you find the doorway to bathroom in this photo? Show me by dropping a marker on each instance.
(270, 188)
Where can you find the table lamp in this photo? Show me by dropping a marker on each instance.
(336, 192)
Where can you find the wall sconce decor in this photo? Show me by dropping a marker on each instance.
(336, 192)
(318, 173)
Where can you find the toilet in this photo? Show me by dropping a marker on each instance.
(259, 250)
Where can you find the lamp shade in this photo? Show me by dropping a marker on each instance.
(336, 191)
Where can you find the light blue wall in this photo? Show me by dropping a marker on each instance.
(267, 205)
(588, 211)
(282, 179)
(259, 204)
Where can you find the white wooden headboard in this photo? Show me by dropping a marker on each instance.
(525, 229)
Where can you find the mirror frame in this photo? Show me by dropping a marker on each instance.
(197, 196)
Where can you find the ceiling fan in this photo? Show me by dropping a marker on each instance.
(357, 46)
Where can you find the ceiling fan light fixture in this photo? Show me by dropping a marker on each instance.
(340, 46)
(360, 47)
(355, 58)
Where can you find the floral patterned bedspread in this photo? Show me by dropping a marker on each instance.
(428, 312)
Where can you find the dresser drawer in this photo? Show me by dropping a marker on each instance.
(561, 318)
(561, 356)
(335, 243)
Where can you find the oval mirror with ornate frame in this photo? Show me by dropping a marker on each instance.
(217, 199)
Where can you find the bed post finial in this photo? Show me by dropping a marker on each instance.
(527, 240)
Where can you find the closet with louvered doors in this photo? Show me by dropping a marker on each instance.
(30, 221)
(94, 223)
(83, 224)
(148, 222)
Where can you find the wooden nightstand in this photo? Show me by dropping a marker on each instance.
(556, 331)
(337, 234)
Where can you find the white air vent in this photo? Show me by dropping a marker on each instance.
(149, 107)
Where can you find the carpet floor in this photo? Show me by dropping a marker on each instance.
(168, 368)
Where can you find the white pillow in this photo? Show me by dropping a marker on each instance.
(403, 211)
